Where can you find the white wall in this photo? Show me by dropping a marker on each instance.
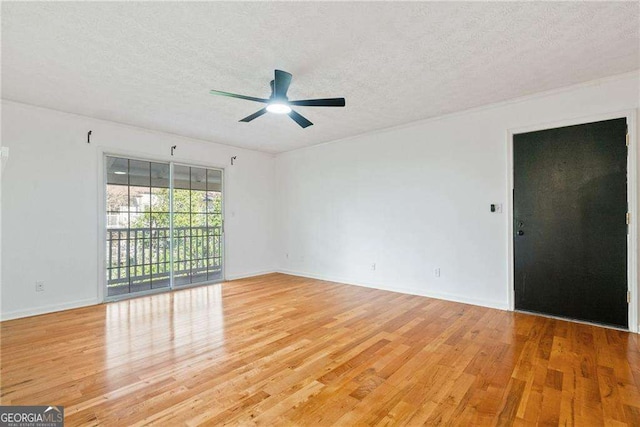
(410, 199)
(50, 191)
(416, 198)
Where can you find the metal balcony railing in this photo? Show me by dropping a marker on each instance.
(139, 259)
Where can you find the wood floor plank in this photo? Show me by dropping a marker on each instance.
(285, 350)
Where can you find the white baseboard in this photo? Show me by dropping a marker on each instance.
(16, 314)
(245, 275)
(410, 291)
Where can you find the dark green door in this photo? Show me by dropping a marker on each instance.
(570, 231)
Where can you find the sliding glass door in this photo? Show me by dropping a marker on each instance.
(197, 225)
(164, 226)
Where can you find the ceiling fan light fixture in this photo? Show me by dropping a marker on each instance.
(278, 108)
(278, 102)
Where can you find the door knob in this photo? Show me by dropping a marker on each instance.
(520, 232)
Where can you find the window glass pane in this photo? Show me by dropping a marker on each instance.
(198, 201)
(182, 244)
(214, 180)
(182, 277)
(117, 170)
(140, 221)
(160, 175)
(181, 200)
(198, 179)
(160, 200)
(181, 177)
(181, 220)
(199, 220)
(214, 202)
(214, 221)
(159, 255)
(117, 198)
(160, 221)
(161, 280)
(139, 200)
(217, 245)
(139, 173)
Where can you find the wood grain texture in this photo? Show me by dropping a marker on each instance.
(285, 350)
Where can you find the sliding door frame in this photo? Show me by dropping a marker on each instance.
(102, 219)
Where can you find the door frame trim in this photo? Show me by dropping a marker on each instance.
(632, 200)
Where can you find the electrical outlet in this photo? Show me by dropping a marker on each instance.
(39, 286)
(436, 272)
(373, 266)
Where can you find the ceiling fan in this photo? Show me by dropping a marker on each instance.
(278, 103)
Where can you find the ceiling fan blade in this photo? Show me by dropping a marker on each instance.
(327, 102)
(235, 95)
(254, 115)
(281, 84)
(299, 119)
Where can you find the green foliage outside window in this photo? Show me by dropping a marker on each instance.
(191, 209)
(194, 247)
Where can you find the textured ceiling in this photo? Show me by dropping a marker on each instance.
(152, 64)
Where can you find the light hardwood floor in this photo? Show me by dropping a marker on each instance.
(285, 350)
